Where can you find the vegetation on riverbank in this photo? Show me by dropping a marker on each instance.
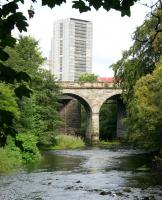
(110, 144)
(139, 74)
(27, 123)
(68, 142)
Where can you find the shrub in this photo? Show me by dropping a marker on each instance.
(9, 160)
(30, 151)
(68, 142)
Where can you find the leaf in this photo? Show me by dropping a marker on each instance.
(8, 40)
(9, 8)
(16, 19)
(7, 74)
(31, 13)
(126, 4)
(3, 55)
(95, 4)
(20, 21)
(22, 90)
(22, 26)
(22, 76)
(52, 3)
(81, 6)
(6, 117)
(1, 13)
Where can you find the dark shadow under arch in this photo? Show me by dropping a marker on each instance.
(87, 109)
(111, 115)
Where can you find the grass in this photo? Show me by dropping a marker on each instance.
(109, 144)
(68, 142)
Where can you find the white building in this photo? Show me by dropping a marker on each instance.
(71, 49)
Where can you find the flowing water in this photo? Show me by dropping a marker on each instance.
(92, 174)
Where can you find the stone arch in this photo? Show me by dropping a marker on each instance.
(121, 112)
(88, 110)
(92, 98)
(113, 95)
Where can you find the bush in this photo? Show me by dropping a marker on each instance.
(9, 160)
(30, 151)
(68, 142)
(13, 157)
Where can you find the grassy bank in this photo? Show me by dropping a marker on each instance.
(68, 142)
(110, 144)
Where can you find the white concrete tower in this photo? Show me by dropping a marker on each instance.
(71, 49)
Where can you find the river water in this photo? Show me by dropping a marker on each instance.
(91, 174)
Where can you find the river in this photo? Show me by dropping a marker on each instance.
(90, 174)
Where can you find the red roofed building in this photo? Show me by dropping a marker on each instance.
(106, 79)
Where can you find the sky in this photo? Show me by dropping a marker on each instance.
(111, 32)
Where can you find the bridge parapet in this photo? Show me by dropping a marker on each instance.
(86, 85)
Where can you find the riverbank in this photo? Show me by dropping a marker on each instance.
(86, 174)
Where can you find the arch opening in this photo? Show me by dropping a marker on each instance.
(111, 115)
(74, 108)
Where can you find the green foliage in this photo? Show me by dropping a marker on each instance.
(8, 100)
(35, 119)
(8, 112)
(10, 18)
(10, 156)
(145, 111)
(122, 6)
(39, 113)
(47, 94)
(108, 120)
(9, 160)
(25, 56)
(140, 59)
(68, 142)
(139, 78)
(29, 149)
(109, 145)
(86, 77)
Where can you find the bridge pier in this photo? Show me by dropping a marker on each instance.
(95, 128)
(88, 126)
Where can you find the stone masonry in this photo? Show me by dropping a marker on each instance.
(91, 96)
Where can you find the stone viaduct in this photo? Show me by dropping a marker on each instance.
(91, 96)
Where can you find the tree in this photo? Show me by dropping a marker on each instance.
(87, 77)
(25, 56)
(8, 111)
(140, 59)
(39, 114)
(47, 94)
(137, 75)
(145, 122)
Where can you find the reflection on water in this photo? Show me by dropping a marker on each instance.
(92, 174)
